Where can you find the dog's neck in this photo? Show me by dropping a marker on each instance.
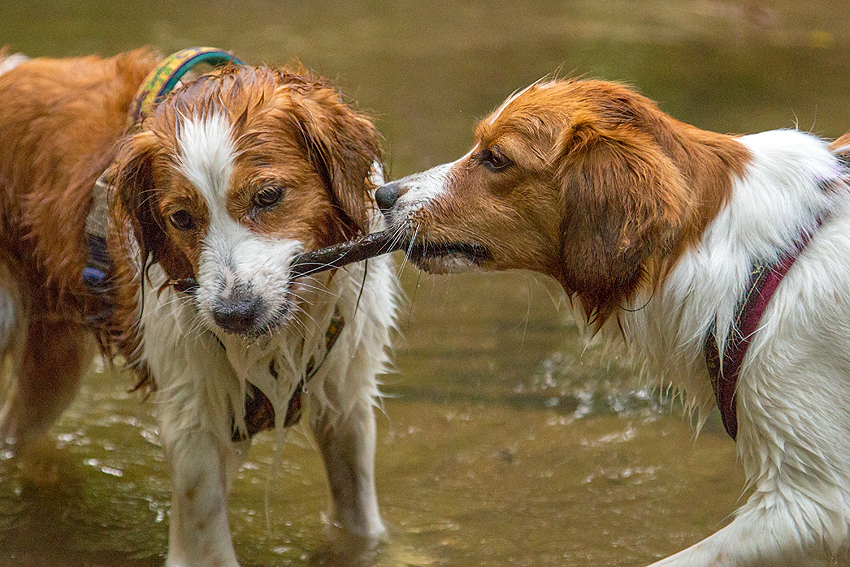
(709, 162)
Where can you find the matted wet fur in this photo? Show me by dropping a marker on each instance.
(225, 182)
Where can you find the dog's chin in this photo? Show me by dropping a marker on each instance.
(448, 257)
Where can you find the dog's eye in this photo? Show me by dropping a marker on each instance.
(268, 196)
(182, 220)
(494, 160)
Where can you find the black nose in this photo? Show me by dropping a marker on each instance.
(387, 195)
(239, 311)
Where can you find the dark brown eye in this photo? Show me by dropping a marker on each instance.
(268, 196)
(494, 160)
(182, 220)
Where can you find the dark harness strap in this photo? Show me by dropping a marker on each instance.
(259, 410)
(764, 280)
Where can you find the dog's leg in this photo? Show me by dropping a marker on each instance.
(195, 389)
(54, 356)
(763, 535)
(12, 335)
(13, 315)
(347, 445)
(792, 445)
(202, 469)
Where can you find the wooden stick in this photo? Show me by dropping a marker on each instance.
(337, 256)
(357, 250)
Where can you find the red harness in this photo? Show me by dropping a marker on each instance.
(764, 280)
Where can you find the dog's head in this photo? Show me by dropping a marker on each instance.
(236, 173)
(585, 181)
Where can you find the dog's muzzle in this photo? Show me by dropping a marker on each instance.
(387, 195)
(239, 311)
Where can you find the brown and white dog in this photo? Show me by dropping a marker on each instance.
(652, 226)
(230, 177)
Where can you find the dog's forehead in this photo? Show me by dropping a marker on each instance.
(532, 113)
(210, 152)
(206, 153)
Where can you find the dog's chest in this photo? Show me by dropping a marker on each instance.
(276, 378)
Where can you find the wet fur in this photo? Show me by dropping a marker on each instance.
(209, 150)
(651, 226)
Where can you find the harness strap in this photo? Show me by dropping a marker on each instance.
(764, 280)
(259, 410)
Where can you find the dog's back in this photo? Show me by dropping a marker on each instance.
(59, 122)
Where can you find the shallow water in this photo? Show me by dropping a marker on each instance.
(503, 441)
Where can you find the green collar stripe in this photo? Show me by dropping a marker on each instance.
(166, 75)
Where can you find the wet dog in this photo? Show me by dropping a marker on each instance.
(653, 228)
(221, 185)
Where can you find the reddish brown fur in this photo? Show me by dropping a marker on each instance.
(60, 121)
(842, 144)
(604, 194)
(291, 131)
(63, 123)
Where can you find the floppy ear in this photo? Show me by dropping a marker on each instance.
(136, 200)
(624, 203)
(343, 147)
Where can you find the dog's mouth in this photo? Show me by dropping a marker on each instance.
(475, 253)
(447, 257)
(250, 319)
(185, 285)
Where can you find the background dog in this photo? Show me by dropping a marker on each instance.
(652, 227)
(229, 178)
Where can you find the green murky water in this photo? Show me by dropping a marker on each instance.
(503, 442)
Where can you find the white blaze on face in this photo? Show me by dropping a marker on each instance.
(423, 189)
(541, 84)
(422, 192)
(232, 255)
(205, 155)
(428, 185)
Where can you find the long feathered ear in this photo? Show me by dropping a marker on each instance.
(624, 203)
(343, 146)
(136, 200)
(841, 147)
